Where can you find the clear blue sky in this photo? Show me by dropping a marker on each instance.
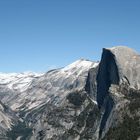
(37, 35)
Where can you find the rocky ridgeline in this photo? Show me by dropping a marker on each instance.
(82, 101)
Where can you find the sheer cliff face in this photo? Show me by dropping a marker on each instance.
(118, 64)
(107, 75)
(118, 73)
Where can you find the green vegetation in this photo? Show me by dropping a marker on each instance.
(76, 98)
(21, 129)
(129, 129)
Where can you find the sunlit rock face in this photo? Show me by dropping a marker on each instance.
(128, 64)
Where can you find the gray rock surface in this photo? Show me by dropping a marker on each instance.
(128, 64)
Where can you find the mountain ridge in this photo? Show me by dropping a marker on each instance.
(85, 100)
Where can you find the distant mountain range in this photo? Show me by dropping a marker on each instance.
(85, 100)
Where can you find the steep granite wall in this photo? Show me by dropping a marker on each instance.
(107, 75)
(118, 65)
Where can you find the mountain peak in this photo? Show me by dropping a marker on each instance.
(121, 49)
(81, 63)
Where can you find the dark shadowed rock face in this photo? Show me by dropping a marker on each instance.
(107, 75)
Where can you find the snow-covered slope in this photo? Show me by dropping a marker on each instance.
(17, 81)
(26, 93)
